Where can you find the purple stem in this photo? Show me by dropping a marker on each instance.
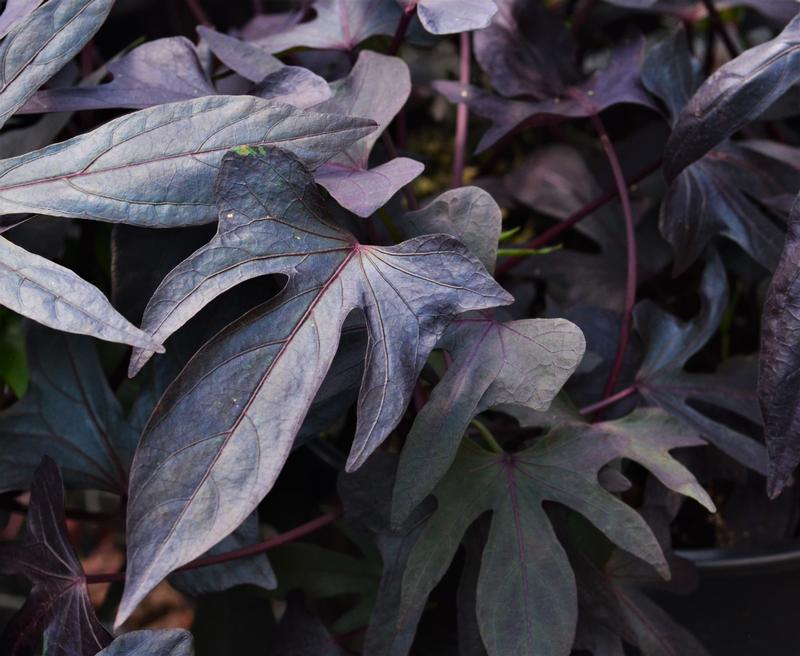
(462, 114)
(611, 400)
(402, 28)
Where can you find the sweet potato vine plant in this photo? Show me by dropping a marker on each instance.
(398, 413)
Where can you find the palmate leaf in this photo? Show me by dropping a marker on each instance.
(41, 44)
(736, 94)
(70, 415)
(669, 343)
(220, 435)
(778, 385)
(526, 601)
(528, 53)
(155, 167)
(338, 25)
(377, 88)
(172, 642)
(56, 297)
(452, 16)
(58, 605)
(726, 192)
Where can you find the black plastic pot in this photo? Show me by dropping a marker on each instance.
(747, 603)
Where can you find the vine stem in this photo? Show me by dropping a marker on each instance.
(611, 400)
(590, 208)
(487, 436)
(197, 11)
(462, 114)
(632, 267)
(719, 28)
(402, 28)
(408, 190)
(244, 552)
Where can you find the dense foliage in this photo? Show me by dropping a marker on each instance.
(428, 309)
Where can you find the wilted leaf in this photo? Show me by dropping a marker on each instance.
(736, 94)
(535, 608)
(338, 25)
(70, 415)
(172, 642)
(669, 343)
(56, 297)
(377, 88)
(256, 380)
(41, 44)
(58, 606)
(160, 162)
(519, 362)
(778, 385)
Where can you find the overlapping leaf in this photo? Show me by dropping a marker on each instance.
(221, 433)
(155, 167)
(526, 600)
(15, 12)
(58, 606)
(778, 386)
(41, 44)
(452, 16)
(527, 52)
(377, 88)
(728, 191)
(338, 25)
(172, 642)
(70, 415)
(736, 94)
(669, 343)
(56, 297)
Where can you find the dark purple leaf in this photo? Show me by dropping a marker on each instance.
(58, 606)
(42, 44)
(160, 162)
(778, 385)
(256, 380)
(535, 608)
(669, 343)
(162, 71)
(172, 642)
(56, 297)
(452, 16)
(300, 632)
(15, 12)
(736, 94)
(338, 25)
(70, 415)
(519, 362)
(377, 88)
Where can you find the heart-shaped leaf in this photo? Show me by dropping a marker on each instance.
(736, 94)
(41, 44)
(452, 16)
(56, 297)
(172, 642)
(377, 88)
(535, 609)
(58, 606)
(161, 162)
(270, 364)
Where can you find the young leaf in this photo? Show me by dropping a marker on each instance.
(256, 380)
(41, 44)
(338, 25)
(669, 343)
(494, 363)
(452, 16)
(140, 79)
(172, 642)
(535, 609)
(70, 415)
(736, 94)
(778, 387)
(56, 297)
(160, 162)
(58, 605)
(15, 12)
(377, 88)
